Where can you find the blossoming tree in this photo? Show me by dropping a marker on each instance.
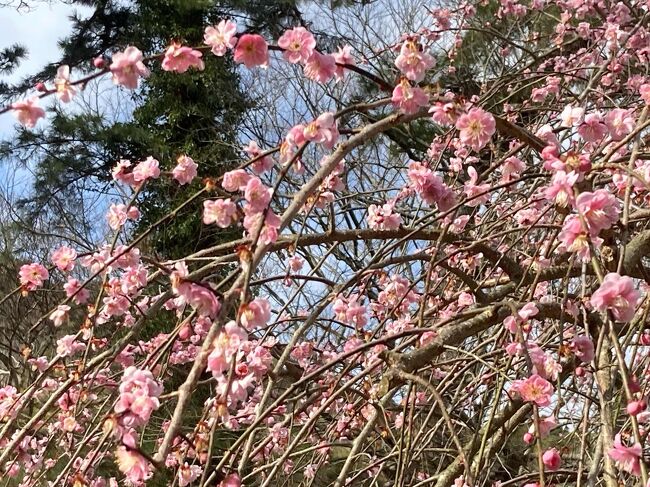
(474, 315)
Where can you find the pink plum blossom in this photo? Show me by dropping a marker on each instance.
(534, 389)
(343, 57)
(63, 258)
(571, 116)
(323, 130)
(223, 212)
(618, 295)
(28, 112)
(185, 170)
(263, 163)
(32, 276)
(298, 45)
(226, 345)
(257, 195)
(255, 314)
(60, 314)
(620, 123)
(221, 37)
(409, 98)
(138, 398)
(252, 50)
(412, 62)
(384, 217)
(560, 190)
(320, 67)
(626, 457)
(583, 348)
(127, 67)
(64, 90)
(231, 480)
(592, 128)
(180, 58)
(149, 168)
(235, 180)
(73, 288)
(476, 128)
(133, 465)
(188, 473)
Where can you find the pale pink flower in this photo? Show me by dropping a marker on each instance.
(620, 123)
(223, 212)
(429, 186)
(221, 37)
(32, 276)
(63, 258)
(235, 180)
(552, 459)
(412, 62)
(118, 214)
(444, 113)
(127, 67)
(270, 228)
(252, 50)
(627, 457)
(185, 170)
(560, 190)
(617, 294)
(226, 345)
(67, 346)
(534, 389)
(383, 217)
(149, 168)
(298, 45)
(476, 128)
(181, 58)
(133, 465)
(575, 238)
(343, 57)
(73, 286)
(323, 130)
(255, 314)
(200, 298)
(320, 67)
(409, 98)
(60, 314)
(138, 398)
(600, 210)
(592, 129)
(477, 194)
(64, 90)
(28, 112)
(583, 348)
(257, 195)
(571, 116)
(119, 172)
(263, 163)
(188, 473)
(512, 168)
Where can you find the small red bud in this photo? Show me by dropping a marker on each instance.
(528, 438)
(99, 62)
(580, 372)
(40, 87)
